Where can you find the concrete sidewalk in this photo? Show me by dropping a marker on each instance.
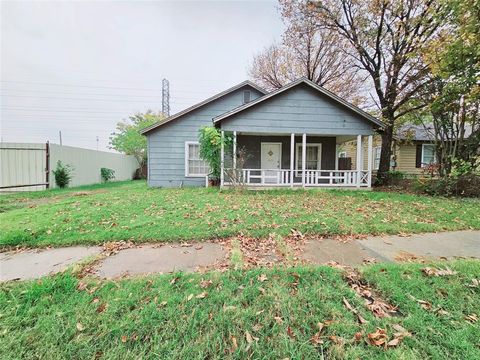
(147, 259)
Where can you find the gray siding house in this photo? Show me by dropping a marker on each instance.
(290, 137)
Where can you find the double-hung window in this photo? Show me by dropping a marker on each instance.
(313, 157)
(194, 165)
(376, 157)
(428, 154)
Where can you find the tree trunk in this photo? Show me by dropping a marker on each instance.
(386, 152)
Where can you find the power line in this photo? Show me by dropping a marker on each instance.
(64, 98)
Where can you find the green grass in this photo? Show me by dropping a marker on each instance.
(132, 211)
(158, 318)
(441, 332)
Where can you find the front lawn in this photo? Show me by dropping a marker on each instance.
(132, 211)
(297, 313)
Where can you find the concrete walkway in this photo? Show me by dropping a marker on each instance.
(146, 259)
(33, 264)
(149, 259)
(432, 245)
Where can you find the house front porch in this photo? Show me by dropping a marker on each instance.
(269, 160)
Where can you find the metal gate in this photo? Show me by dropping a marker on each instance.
(24, 166)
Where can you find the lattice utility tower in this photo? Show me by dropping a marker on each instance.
(165, 97)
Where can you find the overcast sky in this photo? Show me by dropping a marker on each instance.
(80, 67)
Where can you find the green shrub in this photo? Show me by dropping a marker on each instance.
(63, 174)
(467, 185)
(210, 140)
(107, 174)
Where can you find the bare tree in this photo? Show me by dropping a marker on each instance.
(307, 51)
(386, 39)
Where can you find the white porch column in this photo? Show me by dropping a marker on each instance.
(370, 160)
(222, 153)
(234, 155)
(292, 158)
(359, 159)
(304, 157)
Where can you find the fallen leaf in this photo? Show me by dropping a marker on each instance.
(474, 284)
(358, 336)
(101, 308)
(278, 319)
(234, 343)
(347, 305)
(429, 271)
(425, 304)
(80, 327)
(250, 338)
(393, 342)
(205, 283)
(378, 338)
(471, 318)
(81, 286)
(262, 278)
(190, 297)
(290, 332)
(202, 295)
(163, 303)
(124, 338)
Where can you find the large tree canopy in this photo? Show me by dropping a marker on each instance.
(307, 51)
(386, 41)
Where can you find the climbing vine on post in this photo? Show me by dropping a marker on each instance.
(210, 140)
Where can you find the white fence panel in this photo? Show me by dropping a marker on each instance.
(26, 164)
(87, 164)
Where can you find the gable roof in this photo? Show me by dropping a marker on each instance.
(424, 132)
(325, 92)
(200, 104)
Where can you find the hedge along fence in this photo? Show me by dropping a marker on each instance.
(29, 163)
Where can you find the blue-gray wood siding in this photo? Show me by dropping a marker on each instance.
(298, 110)
(252, 146)
(166, 145)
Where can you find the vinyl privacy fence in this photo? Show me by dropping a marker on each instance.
(28, 166)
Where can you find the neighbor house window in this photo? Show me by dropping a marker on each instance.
(313, 157)
(194, 165)
(246, 96)
(428, 154)
(376, 157)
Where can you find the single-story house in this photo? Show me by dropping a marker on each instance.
(413, 149)
(291, 137)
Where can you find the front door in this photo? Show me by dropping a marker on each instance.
(271, 160)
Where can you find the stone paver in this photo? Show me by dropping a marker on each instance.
(431, 245)
(150, 259)
(33, 264)
(346, 253)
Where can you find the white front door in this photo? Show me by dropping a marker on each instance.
(271, 159)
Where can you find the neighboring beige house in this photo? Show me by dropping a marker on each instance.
(412, 150)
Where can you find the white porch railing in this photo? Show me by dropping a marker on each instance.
(282, 177)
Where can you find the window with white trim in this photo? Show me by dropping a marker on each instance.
(313, 157)
(194, 165)
(377, 150)
(428, 154)
(342, 154)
